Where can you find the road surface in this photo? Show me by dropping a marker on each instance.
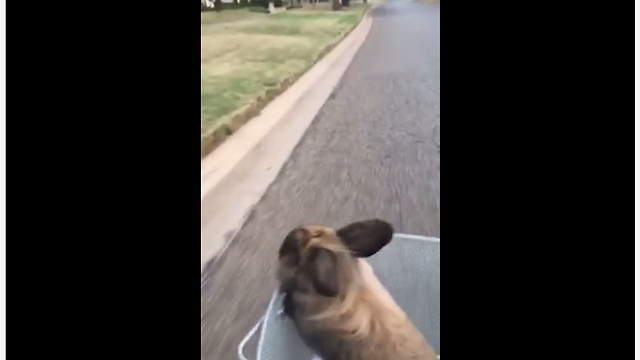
(372, 151)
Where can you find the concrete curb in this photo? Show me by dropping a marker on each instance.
(236, 175)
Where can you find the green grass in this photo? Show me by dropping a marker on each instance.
(247, 56)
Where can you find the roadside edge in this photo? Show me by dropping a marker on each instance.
(236, 175)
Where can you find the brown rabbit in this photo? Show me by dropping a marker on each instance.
(340, 308)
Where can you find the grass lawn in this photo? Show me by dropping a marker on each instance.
(248, 58)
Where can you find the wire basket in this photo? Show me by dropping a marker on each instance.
(409, 267)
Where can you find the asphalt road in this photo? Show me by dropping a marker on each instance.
(372, 151)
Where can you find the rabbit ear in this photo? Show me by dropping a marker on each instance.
(322, 270)
(307, 268)
(365, 238)
(293, 243)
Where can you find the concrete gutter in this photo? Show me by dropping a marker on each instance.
(236, 175)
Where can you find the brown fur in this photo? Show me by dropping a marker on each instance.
(339, 306)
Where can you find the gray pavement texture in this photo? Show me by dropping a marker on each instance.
(372, 151)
